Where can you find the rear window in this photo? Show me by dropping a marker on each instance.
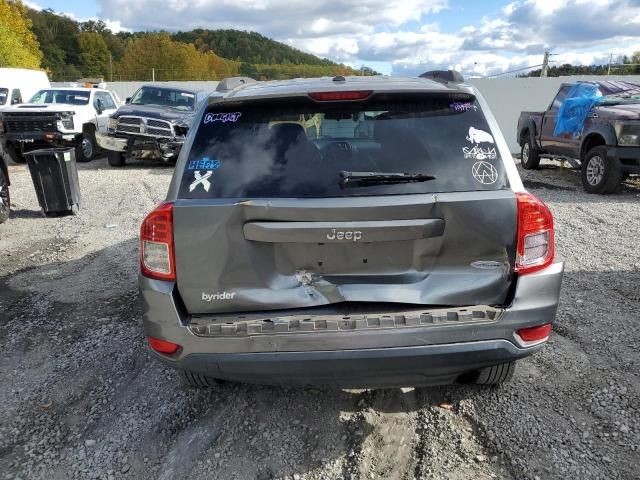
(164, 98)
(67, 97)
(305, 148)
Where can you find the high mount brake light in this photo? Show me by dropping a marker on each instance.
(340, 96)
(157, 258)
(535, 249)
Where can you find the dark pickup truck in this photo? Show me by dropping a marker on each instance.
(153, 124)
(607, 142)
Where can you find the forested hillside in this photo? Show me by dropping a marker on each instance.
(250, 47)
(70, 50)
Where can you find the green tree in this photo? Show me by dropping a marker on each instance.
(57, 35)
(248, 70)
(115, 43)
(94, 54)
(18, 45)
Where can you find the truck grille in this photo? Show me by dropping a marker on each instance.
(30, 122)
(145, 126)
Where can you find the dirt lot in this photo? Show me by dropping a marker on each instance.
(82, 398)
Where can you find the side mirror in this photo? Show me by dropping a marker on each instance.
(15, 101)
(99, 106)
(127, 100)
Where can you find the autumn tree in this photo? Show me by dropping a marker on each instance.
(18, 45)
(220, 67)
(170, 60)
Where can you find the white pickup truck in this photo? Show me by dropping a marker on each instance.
(57, 117)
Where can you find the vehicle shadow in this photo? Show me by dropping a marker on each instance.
(24, 213)
(74, 348)
(563, 184)
(153, 166)
(105, 375)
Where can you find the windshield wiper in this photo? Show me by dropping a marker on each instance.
(380, 178)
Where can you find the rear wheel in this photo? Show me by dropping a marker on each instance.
(87, 148)
(599, 173)
(5, 199)
(198, 380)
(115, 159)
(495, 374)
(14, 155)
(529, 156)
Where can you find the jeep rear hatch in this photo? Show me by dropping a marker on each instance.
(301, 203)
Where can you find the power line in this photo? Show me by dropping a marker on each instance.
(514, 71)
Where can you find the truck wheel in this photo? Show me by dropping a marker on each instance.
(87, 148)
(496, 374)
(197, 380)
(529, 156)
(599, 173)
(15, 156)
(115, 159)
(5, 199)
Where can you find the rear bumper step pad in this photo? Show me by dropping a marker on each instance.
(295, 324)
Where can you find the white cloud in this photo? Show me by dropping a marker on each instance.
(32, 5)
(280, 18)
(114, 25)
(403, 34)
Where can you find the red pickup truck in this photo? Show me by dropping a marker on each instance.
(606, 144)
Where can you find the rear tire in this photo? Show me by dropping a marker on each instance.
(600, 174)
(5, 198)
(529, 156)
(15, 156)
(198, 380)
(115, 159)
(495, 374)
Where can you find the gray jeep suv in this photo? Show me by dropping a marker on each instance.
(358, 232)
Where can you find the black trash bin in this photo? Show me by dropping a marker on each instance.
(55, 178)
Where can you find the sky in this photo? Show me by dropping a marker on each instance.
(400, 37)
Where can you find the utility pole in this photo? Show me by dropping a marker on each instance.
(610, 57)
(153, 74)
(110, 68)
(545, 64)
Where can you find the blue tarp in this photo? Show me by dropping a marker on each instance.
(575, 108)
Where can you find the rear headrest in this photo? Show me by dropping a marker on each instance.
(287, 132)
(382, 128)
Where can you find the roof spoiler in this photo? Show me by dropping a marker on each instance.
(444, 76)
(232, 83)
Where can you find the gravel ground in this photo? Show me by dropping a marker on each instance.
(82, 398)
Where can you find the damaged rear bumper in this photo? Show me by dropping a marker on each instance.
(431, 346)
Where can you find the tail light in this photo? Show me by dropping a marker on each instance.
(535, 334)
(340, 96)
(535, 249)
(528, 337)
(162, 346)
(157, 259)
